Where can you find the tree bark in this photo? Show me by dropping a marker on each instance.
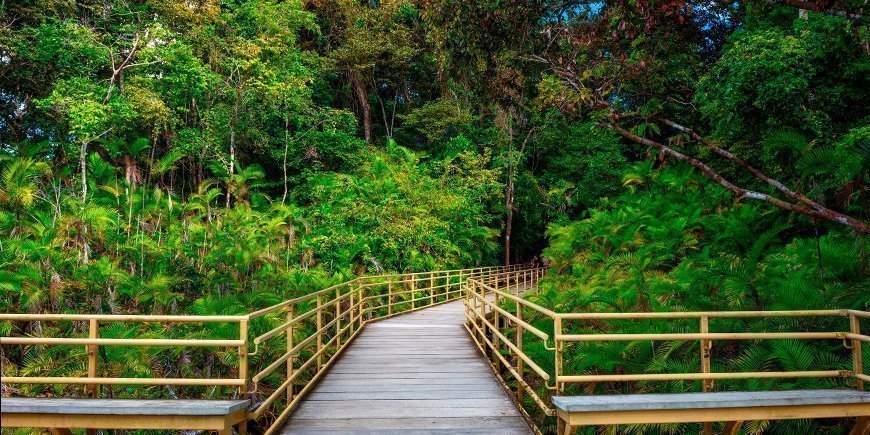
(284, 164)
(362, 98)
(233, 144)
(509, 219)
(83, 161)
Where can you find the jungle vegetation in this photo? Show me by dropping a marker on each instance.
(207, 157)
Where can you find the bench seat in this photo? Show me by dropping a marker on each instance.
(61, 414)
(735, 407)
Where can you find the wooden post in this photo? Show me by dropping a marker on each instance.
(362, 307)
(390, 297)
(338, 317)
(243, 358)
(291, 359)
(497, 322)
(732, 428)
(557, 331)
(93, 390)
(413, 303)
(861, 427)
(432, 286)
(319, 332)
(482, 306)
(351, 309)
(706, 384)
(706, 347)
(857, 359)
(520, 332)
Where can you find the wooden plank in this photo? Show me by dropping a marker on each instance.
(17, 405)
(309, 410)
(451, 431)
(460, 424)
(654, 416)
(444, 402)
(341, 377)
(731, 399)
(404, 394)
(413, 386)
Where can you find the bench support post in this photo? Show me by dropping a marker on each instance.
(862, 426)
(563, 427)
(557, 331)
(732, 427)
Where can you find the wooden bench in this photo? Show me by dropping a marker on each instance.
(731, 407)
(60, 415)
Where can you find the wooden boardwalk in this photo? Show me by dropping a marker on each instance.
(415, 373)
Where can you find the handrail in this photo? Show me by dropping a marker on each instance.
(499, 317)
(327, 322)
(315, 329)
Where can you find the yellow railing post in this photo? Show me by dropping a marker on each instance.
(478, 311)
(93, 353)
(706, 348)
(520, 332)
(557, 331)
(497, 322)
(289, 310)
(413, 303)
(857, 359)
(243, 358)
(338, 317)
(319, 332)
(432, 286)
(351, 309)
(390, 297)
(362, 307)
(706, 384)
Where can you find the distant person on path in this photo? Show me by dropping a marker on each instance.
(535, 261)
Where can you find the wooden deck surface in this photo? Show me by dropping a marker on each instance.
(415, 373)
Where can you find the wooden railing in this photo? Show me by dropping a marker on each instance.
(502, 322)
(320, 325)
(303, 336)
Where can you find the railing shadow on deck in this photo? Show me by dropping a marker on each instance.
(501, 322)
(303, 336)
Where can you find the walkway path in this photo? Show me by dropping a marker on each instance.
(415, 373)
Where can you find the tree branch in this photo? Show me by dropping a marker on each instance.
(823, 213)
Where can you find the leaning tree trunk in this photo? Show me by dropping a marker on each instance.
(362, 98)
(83, 161)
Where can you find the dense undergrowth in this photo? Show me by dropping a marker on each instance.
(667, 244)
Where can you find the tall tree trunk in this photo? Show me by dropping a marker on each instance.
(83, 161)
(284, 165)
(232, 165)
(233, 144)
(509, 219)
(362, 98)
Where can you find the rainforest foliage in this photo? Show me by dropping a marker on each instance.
(175, 156)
